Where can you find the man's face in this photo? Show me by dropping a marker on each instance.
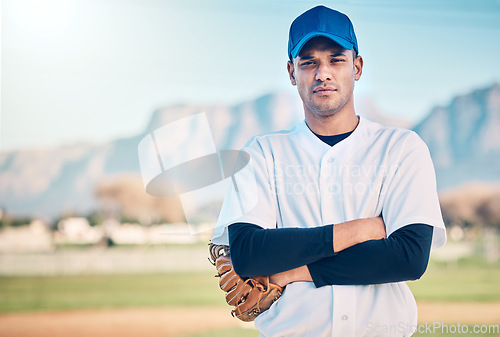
(324, 74)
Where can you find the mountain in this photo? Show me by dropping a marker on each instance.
(464, 137)
(233, 126)
(46, 183)
(367, 108)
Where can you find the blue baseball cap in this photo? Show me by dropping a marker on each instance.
(321, 21)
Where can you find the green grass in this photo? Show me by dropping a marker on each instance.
(469, 280)
(108, 291)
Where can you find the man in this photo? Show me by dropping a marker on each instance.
(346, 209)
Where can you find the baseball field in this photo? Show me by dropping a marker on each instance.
(189, 304)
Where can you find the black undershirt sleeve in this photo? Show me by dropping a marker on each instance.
(402, 256)
(256, 251)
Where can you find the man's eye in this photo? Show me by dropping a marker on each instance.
(337, 60)
(307, 63)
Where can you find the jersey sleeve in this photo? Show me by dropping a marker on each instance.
(411, 193)
(250, 197)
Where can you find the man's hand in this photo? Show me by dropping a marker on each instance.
(345, 235)
(350, 233)
(293, 275)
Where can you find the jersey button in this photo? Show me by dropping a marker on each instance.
(331, 160)
(344, 317)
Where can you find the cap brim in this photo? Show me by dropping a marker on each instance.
(337, 39)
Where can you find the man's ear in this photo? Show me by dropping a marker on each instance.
(358, 67)
(291, 72)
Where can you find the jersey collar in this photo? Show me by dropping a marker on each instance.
(344, 149)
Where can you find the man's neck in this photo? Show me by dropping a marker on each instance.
(341, 122)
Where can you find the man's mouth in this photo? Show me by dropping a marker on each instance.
(323, 90)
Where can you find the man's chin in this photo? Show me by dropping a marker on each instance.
(326, 110)
(326, 106)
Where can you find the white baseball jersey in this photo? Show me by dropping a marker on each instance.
(296, 180)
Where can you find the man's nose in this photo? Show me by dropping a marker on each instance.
(323, 73)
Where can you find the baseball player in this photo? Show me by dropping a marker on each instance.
(341, 210)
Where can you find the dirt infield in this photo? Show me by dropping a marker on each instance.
(169, 322)
(116, 322)
(462, 312)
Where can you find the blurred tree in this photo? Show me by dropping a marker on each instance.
(472, 206)
(124, 197)
(95, 218)
(489, 212)
(9, 221)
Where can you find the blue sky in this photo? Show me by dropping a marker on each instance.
(94, 70)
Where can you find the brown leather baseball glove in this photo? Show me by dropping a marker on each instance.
(249, 297)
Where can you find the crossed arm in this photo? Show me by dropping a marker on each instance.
(345, 235)
(354, 252)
